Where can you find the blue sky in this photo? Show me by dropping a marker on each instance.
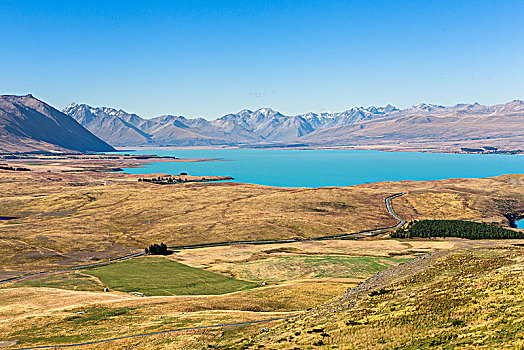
(209, 58)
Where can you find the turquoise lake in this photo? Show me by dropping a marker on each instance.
(520, 224)
(319, 168)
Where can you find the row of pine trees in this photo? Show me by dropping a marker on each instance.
(454, 228)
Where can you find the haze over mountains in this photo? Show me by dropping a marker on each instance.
(462, 124)
(30, 125)
(245, 127)
(264, 125)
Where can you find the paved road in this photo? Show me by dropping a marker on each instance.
(368, 233)
(152, 333)
(220, 244)
(342, 236)
(390, 210)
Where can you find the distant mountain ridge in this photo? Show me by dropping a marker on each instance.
(30, 125)
(120, 128)
(461, 124)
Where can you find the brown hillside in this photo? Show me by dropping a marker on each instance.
(501, 126)
(29, 125)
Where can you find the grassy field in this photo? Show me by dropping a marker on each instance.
(470, 298)
(41, 316)
(211, 257)
(75, 218)
(28, 316)
(106, 321)
(59, 324)
(68, 280)
(159, 276)
(285, 268)
(24, 303)
(484, 200)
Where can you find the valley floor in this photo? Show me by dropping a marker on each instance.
(427, 293)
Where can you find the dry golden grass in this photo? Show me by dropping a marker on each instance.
(34, 316)
(307, 267)
(103, 322)
(468, 299)
(67, 218)
(207, 257)
(37, 301)
(109, 220)
(488, 199)
(47, 316)
(72, 218)
(29, 302)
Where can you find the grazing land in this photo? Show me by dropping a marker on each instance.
(158, 276)
(296, 267)
(65, 217)
(30, 315)
(464, 299)
(69, 280)
(72, 218)
(83, 316)
(467, 297)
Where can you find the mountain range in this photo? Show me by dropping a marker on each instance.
(431, 126)
(264, 125)
(461, 124)
(30, 125)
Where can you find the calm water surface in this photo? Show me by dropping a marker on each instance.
(319, 168)
(520, 223)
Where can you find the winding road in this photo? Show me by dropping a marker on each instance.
(354, 235)
(44, 273)
(391, 212)
(291, 240)
(349, 235)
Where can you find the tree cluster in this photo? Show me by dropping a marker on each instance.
(14, 168)
(454, 228)
(171, 180)
(157, 249)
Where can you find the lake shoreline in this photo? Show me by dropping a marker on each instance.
(330, 168)
(419, 148)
